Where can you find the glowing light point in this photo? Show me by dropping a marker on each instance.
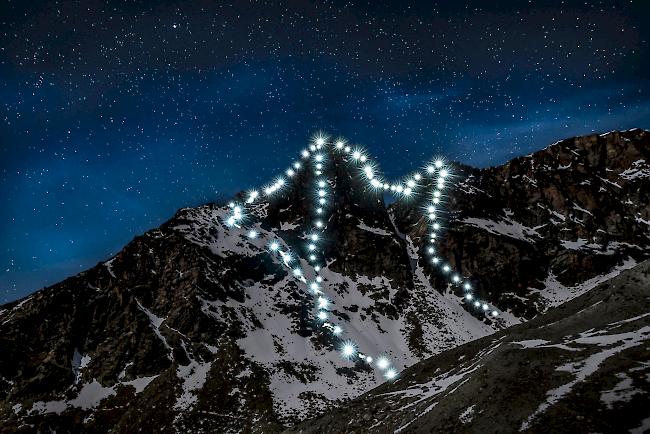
(356, 155)
(320, 141)
(495, 313)
(314, 237)
(348, 350)
(383, 363)
(305, 153)
(322, 193)
(436, 226)
(319, 157)
(469, 296)
(431, 250)
(417, 176)
(297, 272)
(456, 278)
(274, 246)
(408, 191)
(317, 268)
(431, 208)
(435, 260)
(230, 221)
(363, 158)
(252, 234)
(337, 330)
(410, 183)
(339, 145)
(290, 172)
(322, 315)
(368, 359)
(477, 303)
(347, 149)
(296, 165)
(319, 224)
(390, 374)
(314, 287)
(485, 306)
(312, 258)
(438, 164)
(322, 303)
(430, 169)
(319, 279)
(467, 286)
(446, 268)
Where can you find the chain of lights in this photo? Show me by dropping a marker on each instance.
(317, 154)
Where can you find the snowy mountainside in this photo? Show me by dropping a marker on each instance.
(582, 367)
(198, 309)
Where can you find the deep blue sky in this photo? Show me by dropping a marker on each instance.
(115, 114)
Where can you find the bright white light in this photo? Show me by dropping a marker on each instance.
(319, 210)
(312, 257)
(417, 176)
(469, 296)
(314, 237)
(287, 257)
(456, 278)
(347, 149)
(297, 272)
(431, 250)
(317, 268)
(467, 286)
(375, 183)
(319, 279)
(296, 165)
(432, 236)
(399, 189)
(436, 193)
(290, 172)
(356, 155)
(430, 169)
(383, 363)
(438, 164)
(252, 234)
(230, 221)
(321, 183)
(322, 201)
(274, 246)
(436, 200)
(319, 157)
(339, 145)
(348, 350)
(237, 210)
(337, 330)
(231, 204)
(446, 268)
(368, 359)
(477, 303)
(410, 183)
(322, 315)
(408, 191)
(390, 374)
(495, 313)
(305, 153)
(432, 216)
(320, 141)
(435, 260)
(436, 226)
(485, 306)
(321, 193)
(322, 303)
(311, 247)
(431, 208)
(319, 224)
(319, 166)
(363, 158)
(444, 173)
(313, 286)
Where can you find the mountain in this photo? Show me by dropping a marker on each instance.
(201, 308)
(581, 367)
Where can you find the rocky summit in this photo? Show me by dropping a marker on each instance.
(196, 327)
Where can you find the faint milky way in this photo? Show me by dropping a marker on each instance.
(114, 115)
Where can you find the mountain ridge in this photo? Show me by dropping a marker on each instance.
(157, 325)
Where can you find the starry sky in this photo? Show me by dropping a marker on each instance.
(114, 114)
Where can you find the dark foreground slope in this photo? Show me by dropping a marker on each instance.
(582, 367)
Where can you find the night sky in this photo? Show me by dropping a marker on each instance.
(115, 114)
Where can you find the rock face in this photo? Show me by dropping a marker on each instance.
(582, 367)
(195, 326)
